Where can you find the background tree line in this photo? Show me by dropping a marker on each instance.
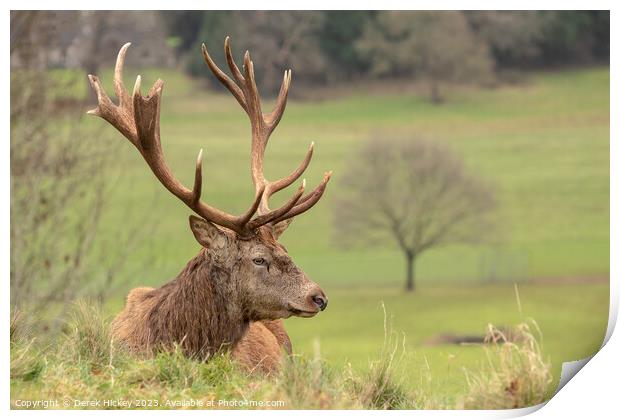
(324, 47)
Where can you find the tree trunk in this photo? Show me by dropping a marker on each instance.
(436, 96)
(410, 257)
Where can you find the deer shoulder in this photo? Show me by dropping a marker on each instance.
(260, 350)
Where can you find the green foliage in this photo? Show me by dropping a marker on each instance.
(85, 364)
(216, 26)
(308, 382)
(172, 369)
(395, 43)
(26, 362)
(571, 36)
(340, 31)
(185, 26)
(512, 36)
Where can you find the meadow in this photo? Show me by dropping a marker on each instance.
(542, 143)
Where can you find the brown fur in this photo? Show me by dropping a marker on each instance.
(196, 310)
(261, 348)
(221, 301)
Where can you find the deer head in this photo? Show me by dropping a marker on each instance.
(260, 271)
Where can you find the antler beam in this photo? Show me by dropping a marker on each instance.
(244, 89)
(137, 118)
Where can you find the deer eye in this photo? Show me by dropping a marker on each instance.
(259, 261)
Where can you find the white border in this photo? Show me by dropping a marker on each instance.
(594, 392)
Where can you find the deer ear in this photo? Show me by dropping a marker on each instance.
(206, 233)
(280, 227)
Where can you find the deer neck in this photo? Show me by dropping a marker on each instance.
(201, 308)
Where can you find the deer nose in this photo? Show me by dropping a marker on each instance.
(320, 300)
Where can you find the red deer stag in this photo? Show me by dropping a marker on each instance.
(235, 292)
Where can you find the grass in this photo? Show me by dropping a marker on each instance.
(572, 318)
(350, 349)
(94, 373)
(543, 144)
(86, 365)
(503, 386)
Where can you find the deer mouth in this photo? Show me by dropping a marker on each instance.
(302, 313)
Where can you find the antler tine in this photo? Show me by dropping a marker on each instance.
(138, 119)
(263, 219)
(119, 86)
(246, 92)
(273, 118)
(146, 117)
(254, 104)
(224, 79)
(282, 183)
(231, 62)
(307, 202)
(120, 117)
(197, 190)
(245, 218)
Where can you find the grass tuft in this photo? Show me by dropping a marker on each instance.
(27, 362)
(380, 388)
(88, 336)
(16, 325)
(517, 376)
(310, 383)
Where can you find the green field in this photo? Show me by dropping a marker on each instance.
(572, 319)
(543, 144)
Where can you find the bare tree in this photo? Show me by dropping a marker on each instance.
(60, 172)
(49, 165)
(414, 193)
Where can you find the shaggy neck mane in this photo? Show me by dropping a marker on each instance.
(199, 309)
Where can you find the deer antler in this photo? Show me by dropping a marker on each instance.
(244, 89)
(137, 118)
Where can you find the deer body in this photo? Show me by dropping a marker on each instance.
(234, 293)
(206, 309)
(198, 310)
(212, 321)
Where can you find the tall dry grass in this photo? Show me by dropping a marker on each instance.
(27, 359)
(517, 374)
(86, 364)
